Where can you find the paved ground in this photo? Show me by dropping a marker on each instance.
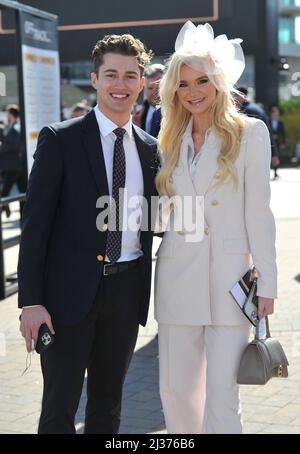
(274, 408)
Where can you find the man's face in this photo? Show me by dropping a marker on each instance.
(118, 84)
(275, 113)
(10, 118)
(152, 89)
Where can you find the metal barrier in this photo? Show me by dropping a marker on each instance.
(8, 283)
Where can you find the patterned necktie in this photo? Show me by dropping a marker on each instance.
(114, 237)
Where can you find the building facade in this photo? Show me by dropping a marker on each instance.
(289, 45)
(259, 23)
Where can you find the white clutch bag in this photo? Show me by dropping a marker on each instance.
(244, 294)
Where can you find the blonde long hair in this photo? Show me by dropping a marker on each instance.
(227, 124)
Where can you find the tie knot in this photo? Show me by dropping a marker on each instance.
(119, 133)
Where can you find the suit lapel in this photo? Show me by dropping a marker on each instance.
(93, 148)
(208, 165)
(181, 173)
(145, 155)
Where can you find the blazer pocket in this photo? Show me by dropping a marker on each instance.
(236, 246)
(165, 249)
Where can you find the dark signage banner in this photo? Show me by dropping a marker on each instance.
(40, 76)
(37, 32)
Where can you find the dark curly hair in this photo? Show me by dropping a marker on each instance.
(124, 45)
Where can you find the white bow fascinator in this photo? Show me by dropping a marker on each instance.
(198, 48)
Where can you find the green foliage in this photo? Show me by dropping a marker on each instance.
(291, 118)
(290, 105)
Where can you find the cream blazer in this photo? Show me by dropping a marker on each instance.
(193, 279)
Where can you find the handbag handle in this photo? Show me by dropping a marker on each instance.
(268, 334)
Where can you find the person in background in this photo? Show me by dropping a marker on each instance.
(296, 158)
(2, 126)
(11, 156)
(79, 109)
(149, 116)
(279, 134)
(1, 140)
(253, 110)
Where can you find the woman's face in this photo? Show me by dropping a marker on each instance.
(196, 92)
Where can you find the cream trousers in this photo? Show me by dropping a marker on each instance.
(198, 369)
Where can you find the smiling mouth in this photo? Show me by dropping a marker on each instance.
(196, 102)
(119, 96)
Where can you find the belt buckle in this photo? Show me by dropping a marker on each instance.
(106, 266)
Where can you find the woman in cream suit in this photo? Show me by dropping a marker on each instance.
(213, 154)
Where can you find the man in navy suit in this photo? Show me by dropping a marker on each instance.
(279, 134)
(253, 110)
(149, 117)
(11, 155)
(88, 281)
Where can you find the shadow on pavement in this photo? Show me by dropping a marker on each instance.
(141, 406)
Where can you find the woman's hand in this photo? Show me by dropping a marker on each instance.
(265, 306)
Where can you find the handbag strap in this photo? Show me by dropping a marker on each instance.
(268, 334)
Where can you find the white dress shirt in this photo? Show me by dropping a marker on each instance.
(131, 246)
(274, 124)
(194, 161)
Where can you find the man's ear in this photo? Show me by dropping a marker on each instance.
(94, 80)
(142, 83)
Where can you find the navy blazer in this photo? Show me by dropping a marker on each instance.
(255, 111)
(58, 265)
(155, 123)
